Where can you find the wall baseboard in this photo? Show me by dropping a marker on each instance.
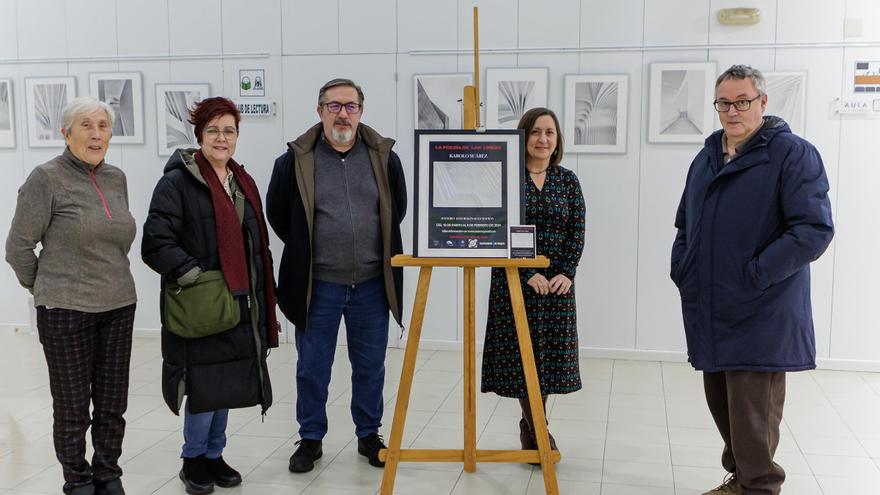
(588, 352)
(847, 365)
(652, 355)
(15, 329)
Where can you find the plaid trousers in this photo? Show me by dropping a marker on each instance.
(88, 355)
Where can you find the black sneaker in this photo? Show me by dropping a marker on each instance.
(369, 447)
(112, 487)
(303, 460)
(195, 476)
(222, 474)
(86, 488)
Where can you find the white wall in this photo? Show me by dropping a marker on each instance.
(627, 305)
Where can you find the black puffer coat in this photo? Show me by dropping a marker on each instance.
(226, 370)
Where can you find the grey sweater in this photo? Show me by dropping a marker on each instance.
(79, 214)
(347, 234)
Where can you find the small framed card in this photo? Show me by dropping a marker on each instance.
(522, 241)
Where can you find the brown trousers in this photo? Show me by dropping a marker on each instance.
(747, 408)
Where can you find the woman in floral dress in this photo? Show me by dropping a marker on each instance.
(554, 203)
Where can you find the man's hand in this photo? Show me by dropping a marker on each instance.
(560, 284)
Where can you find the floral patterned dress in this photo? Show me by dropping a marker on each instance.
(557, 210)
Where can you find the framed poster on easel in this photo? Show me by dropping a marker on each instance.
(467, 192)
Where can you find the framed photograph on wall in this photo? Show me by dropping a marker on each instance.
(681, 98)
(595, 113)
(7, 114)
(173, 102)
(467, 192)
(46, 98)
(437, 100)
(511, 92)
(123, 91)
(786, 94)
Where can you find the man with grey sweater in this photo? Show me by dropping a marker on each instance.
(336, 199)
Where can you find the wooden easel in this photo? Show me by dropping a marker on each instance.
(470, 456)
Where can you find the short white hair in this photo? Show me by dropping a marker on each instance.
(81, 105)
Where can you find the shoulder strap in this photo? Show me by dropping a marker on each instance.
(239, 205)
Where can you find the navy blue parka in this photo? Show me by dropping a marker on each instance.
(746, 236)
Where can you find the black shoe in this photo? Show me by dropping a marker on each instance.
(528, 440)
(221, 473)
(526, 436)
(195, 476)
(369, 446)
(112, 487)
(303, 460)
(78, 488)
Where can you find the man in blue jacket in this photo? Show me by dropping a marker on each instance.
(336, 199)
(754, 214)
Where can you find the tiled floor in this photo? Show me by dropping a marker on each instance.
(636, 428)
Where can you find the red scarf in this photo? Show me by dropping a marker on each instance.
(230, 240)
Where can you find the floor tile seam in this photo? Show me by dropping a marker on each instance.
(445, 398)
(127, 419)
(845, 422)
(608, 414)
(840, 457)
(636, 485)
(485, 428)
(630, 485)
(435, 412)
(666, 415)
(286, 439)
(866, 456)
(639, 423)
(172, 480)
(854, 478)
(34, 475)
(28, 414)
(324, 466)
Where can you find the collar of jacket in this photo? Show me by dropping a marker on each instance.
(754, 152)
(79, 164)
(185, 158)
(307, 141)
(379, 149)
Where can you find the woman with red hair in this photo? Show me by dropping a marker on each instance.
(206, 236)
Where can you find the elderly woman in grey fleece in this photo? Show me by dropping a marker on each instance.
(76, 207)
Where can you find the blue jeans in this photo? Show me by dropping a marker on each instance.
(365, 309)
(204, 433)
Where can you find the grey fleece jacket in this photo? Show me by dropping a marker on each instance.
(79, 215)
(347, 235)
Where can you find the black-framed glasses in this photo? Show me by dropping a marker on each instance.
(351, 107)
(739, 105)
(229, 133)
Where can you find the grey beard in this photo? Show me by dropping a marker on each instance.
(341, 137)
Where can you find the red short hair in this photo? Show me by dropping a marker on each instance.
(210, 108)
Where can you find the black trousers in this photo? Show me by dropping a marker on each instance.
(747, 408)
(88, 355)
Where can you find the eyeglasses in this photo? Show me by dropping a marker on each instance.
(230, 133)
(739, 105)
(351, 107)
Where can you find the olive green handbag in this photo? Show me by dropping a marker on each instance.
(202, 308)
(206, 306)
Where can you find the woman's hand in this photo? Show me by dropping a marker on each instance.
(540, 284)
(560, 284)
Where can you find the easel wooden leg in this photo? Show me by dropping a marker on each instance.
(392, 458)
(532, 384)
(470, 392)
